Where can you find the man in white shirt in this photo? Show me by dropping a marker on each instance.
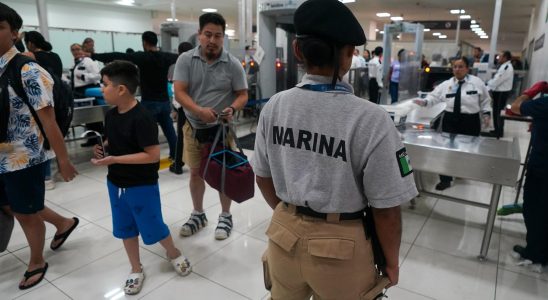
(501, 87)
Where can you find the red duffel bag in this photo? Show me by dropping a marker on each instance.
(227, 171)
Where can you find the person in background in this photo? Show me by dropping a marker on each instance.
(208, 82)
(501, 87)
(88, 46)
(23, 155)
(132, 179)
(394, 76)
(375, 75)
(317, 242)
(153, 66)
(366, 55)
(479, 56)
(130, 50)
(41, 52)
(424, 62)
(468, 105)
(535, 204)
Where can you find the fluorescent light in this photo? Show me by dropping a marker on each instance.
(465, 17)
(382, 32)
(484, 37)
(396, 18)
(230, 32)
(474, 26)
(426, 29)
(126, 2)
(376, 30)
(171, 20)
(347, 1)
(442, 36)
(209, 10)
(476, 29)
(436, 33)
(457, 11)
(383, 15)
(473, 21)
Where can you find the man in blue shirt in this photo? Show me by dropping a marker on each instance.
(535, 203)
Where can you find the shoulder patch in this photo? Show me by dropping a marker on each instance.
(404, 162)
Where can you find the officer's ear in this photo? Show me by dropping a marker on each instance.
(297, 51)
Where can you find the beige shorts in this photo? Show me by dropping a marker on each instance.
(192, 150)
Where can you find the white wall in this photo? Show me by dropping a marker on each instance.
(539, 62)
(76, 15)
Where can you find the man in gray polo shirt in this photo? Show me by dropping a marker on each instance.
(208, 81)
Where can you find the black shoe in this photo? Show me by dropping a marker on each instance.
(173, 168)
(442, 185)
(519, 252)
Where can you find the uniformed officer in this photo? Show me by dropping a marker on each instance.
(321, 156)
(375, 75)
(468, 104)
(501, 87)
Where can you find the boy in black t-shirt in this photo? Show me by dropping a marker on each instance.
(133, 161)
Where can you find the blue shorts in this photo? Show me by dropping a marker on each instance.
(24, 190)
(137, 210)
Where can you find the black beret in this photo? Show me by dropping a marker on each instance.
(328, 19)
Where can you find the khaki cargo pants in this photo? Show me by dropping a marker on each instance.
(330, 260)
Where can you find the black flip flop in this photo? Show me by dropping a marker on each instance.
(63, 236)
(28, 275)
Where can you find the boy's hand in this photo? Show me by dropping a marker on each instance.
(67, 170)
(98, 151)
(109, 160)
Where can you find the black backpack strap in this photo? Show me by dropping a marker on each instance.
(15, 80)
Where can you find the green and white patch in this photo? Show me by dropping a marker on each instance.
(403, 162)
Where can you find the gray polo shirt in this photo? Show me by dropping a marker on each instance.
(210, 85)
(331, 151)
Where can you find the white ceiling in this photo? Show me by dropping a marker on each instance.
(514, 23)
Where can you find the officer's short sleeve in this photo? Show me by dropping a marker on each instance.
(388, 175)
(182, 68)
(239, 81)
(536, 108)
(260, 164)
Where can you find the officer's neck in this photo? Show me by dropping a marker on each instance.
(321, 71)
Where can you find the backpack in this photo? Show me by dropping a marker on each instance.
(62, 98)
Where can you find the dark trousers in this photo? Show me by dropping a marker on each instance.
(499, 102)
(394, 91)
(535, 208)
(467, 124)
(161, 111)
(373, 90)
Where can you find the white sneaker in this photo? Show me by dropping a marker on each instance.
(49, 184)
(224, 227)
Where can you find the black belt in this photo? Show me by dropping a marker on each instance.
(307, 211)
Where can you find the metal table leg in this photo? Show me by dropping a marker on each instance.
(495, 197)
(177, 166)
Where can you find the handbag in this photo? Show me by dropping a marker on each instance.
(225, 170)
(6, 228)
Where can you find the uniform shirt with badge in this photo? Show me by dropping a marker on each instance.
(503, 79)
(128, 133)
(330, 150)
(474, 95)
(86, 72)
(25, 146)
(210, 85)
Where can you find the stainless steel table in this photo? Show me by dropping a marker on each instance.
(88, 114)
(476, 158)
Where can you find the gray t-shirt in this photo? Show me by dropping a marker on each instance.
(210, 85)
(331, 151)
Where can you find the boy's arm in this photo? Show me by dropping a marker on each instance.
(150, 155)
(55, 138)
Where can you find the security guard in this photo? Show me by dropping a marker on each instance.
(501, 87)
(321, 156)
(468, 103)
(375, 75)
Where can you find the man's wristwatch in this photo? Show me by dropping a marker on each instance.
(233, 109)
